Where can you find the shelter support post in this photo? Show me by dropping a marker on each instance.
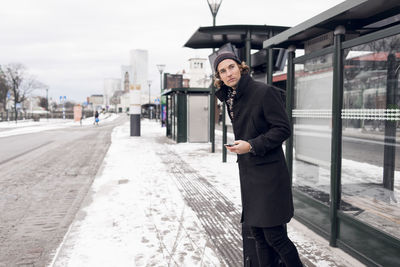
(389, 158)
(336, 144)
(270, 64)
(289, 106)
(224, 133)
(212, 119)
(248, 48)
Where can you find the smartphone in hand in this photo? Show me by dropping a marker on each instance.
(230, 145)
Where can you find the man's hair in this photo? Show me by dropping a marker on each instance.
(244, 69)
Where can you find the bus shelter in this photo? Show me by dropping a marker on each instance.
(343, 102)
(188, 114)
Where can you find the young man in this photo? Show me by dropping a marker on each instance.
(260, 125)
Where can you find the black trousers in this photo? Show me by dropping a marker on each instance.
(273, 245)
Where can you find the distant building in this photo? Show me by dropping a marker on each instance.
(139, 64)
(126, 77)
(96, 101)
(197, 73)
(32, 103)
(111, 85)
(123, 106)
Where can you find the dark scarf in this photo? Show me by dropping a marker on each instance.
(230, 95)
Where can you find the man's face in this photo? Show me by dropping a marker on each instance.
(229, 72)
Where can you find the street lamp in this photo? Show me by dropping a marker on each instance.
(161, 68)
(149, 83)
(214, 6)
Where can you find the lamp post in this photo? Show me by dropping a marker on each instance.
(214, 7)
(149, 83)
(149, 107)
(161, 68)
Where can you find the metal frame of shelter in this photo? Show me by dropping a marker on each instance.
(365, 21)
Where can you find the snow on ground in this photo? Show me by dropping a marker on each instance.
(135, 215)
(223, 176)
(10, 128)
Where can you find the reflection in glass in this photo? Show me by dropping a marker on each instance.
(312, 127)
(371, 115)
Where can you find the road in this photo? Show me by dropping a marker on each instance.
(44, 177)
(367, 150)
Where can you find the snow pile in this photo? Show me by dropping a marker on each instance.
(11, 128)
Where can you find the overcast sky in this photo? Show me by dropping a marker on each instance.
(72, 45)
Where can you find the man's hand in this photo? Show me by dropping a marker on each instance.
(240, 147)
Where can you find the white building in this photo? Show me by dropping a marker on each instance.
(96, 101)
(197, 73)
(111, 85)
(139, 64)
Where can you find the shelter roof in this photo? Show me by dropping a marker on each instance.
(216, 36)
(186, 90)
(359, 17)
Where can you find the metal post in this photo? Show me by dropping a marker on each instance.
(389, 158)
(167, 122)
(336, 144)
(212, 118)
(248, 48)
(224, 133)
(161, 68)
(149, 83)
(214, 7)
(289, 107)
(212, 102)
(150, 108)
(270, 63)
(161, 87)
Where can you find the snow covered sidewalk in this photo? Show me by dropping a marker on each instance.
(157, 203)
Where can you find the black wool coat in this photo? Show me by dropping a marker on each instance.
(260, 119)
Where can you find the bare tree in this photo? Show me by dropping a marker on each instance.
(4, 89)
(19, 82)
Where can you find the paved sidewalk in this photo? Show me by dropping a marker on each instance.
(157, 203)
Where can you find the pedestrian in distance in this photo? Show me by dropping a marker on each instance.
(260, 126)
(96, 118)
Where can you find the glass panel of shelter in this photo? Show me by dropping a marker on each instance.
(312, 116)
(370, 136)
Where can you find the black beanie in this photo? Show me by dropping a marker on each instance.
(223, 56)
